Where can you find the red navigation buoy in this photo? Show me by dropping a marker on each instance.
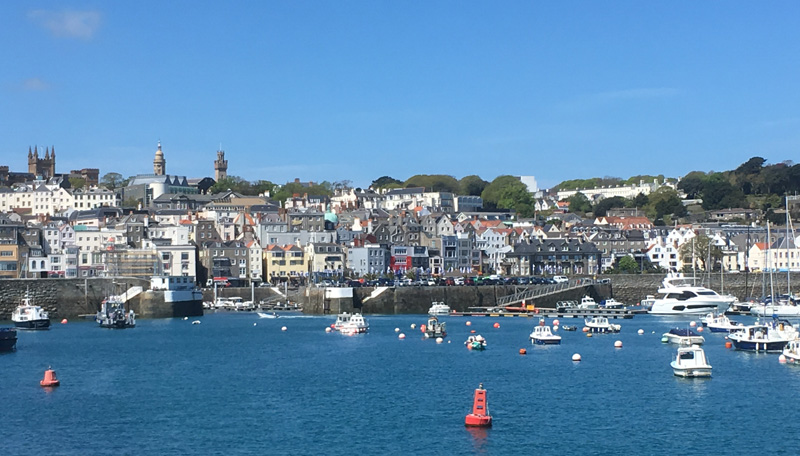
(480, 410)
(50, 378)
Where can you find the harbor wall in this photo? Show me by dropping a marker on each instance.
(629, 289)
(69, 298)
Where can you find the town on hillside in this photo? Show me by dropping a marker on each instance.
(427, 230)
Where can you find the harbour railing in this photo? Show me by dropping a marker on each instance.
(539, 291)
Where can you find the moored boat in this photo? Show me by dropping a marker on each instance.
(439, 308)
(587, 302)
(720, 323)
(601, 325)
(761, 338)
(476, 342)
(681, 296)
(434, 328)
(682, 336)
(30, 316)
(792, 351)
(356, 324)
(611, 303)
(542, 335)
(112, 314)
(691, 362)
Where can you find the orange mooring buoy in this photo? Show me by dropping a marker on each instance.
(480, 410)
(50, 378)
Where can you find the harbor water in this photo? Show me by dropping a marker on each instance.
(238, 384)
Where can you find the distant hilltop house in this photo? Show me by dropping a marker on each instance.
(625, 191)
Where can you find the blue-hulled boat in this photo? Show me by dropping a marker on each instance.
(762, 337)
(720, 323)
(8, 339)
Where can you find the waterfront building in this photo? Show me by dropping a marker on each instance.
(369, 259)
(284, 263)
(625, 191)
(325, 259)
(555, 256)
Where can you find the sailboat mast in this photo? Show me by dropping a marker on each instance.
(788, 264)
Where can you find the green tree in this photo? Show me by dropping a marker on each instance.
(718, 193)
(579, 203)
(601, 208)
(692, 184)
(111, 181)
(664, 201)
(508, 192)
(628, 265)
(703, 251)
(640, 200)
(386, 182)
(77, 182)
(433, 182)
(471, 185)
(233, 183)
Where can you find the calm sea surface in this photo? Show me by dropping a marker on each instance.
(228, 386)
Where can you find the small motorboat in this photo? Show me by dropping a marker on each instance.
(682, 336)
(30, 316)
(112, 314)
(601, 325)
(357, 324)
(435, 328)
(476, 342)
(587, 302)
(612, 303)
(480, 410)
(568, 327)
(691, 362)
(720, 323)
(267, 315)
(542, 335)
(792, 351)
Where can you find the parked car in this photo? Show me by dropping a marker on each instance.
(449, 281)
(469, 280)
(560, 279)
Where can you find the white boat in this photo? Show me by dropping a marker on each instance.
(112, 314)
(612, 303)
(691, 362)
(782, 306)
(587, 303)
(267, 315)
(763, 337)
(601, 325)
(720, 323)
(682, 336)
(647, 302)
(792, 351)
(476, 342)
(354, 324)
(681, 296)
(30, 316)
(542, 335)
(435, 329)
(439, 308)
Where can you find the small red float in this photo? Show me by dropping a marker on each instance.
(497, 325)
(480, 410)
(50, 378)
(522, 351)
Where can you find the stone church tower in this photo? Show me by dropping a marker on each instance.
(220, 166)
(44, 167)
(159, 164)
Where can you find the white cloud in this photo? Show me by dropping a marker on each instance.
(68, 24)
(35, 85)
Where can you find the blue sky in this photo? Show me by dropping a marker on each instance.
(354, 90)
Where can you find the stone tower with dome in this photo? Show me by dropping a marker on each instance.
(159, 163)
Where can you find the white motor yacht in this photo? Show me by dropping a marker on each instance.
(439, 308)
(356, 324)
(681, 296)
(691, 362)
(30, 316)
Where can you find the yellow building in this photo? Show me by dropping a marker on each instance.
(9, 261)
(282, 263)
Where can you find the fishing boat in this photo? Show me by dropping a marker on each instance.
(480, 410)
(8, 339)
(611, 303)
(439, 308)
(542, 335)
(587, 302)
(476, 342)
(601, 325)
(434, 328)
(356, 324)
(681, 296)
(30, 316)
(720, 323)
(762, 338)
(691, 362)
(682, 336)
(112, 314)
